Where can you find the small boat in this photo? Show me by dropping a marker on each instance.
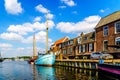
(1, 59)
(111, 70)
(31, 61)
(47, 59)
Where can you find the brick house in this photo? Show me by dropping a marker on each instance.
(68, 48)
(108, 33)
(85, 44)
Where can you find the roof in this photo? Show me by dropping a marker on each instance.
(90, 37)
(108, 19)
(61, 40)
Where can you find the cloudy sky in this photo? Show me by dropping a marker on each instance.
(20, 19)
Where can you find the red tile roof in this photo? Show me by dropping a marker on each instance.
(60, 40)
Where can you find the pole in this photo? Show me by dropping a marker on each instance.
(46, 34)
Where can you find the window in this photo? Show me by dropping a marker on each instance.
(60, 46)
(79, 40)
(91, 47)
(105, 45)
(83, 48)
(117, 40)
(85, 38)
(105, 30)
(70, 50)
(71, 41)
(64, 52)
(80, 49)
(117, 27)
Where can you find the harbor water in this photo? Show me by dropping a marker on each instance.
(21, 70)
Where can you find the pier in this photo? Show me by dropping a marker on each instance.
(86, 64)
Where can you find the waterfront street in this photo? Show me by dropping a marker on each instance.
(21, 70)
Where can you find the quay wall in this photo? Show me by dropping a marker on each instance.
(86, 64)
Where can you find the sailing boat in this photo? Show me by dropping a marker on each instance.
(47, 59)
(1, 59)
(31, 61)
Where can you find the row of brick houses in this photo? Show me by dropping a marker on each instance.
(107, 33)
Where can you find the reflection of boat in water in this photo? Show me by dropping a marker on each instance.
(1, 59)
(47, 59)
(45, 73)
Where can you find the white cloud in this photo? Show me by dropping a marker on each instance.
(104, 10)
(5, 45)
(25, 28)
(62, 7)
(40, 38)
(37, 19)
(11, 36)
(69, 2)
(41, 9)
(50, 16)
(86, 25)
(74, 12)
(13, 6)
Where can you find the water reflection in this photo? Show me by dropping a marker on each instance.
(21, 70)
(68, 73)
(45, 73)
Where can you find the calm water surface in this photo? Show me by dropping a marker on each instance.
(21, 70)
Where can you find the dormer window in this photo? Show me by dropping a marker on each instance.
(105, 30)
(117, 27)
(85, 38)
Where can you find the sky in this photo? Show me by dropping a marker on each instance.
(20, 19)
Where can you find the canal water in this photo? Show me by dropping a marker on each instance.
(21, 70)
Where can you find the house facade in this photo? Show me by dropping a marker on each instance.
(108, 33)
(86, 44)
(56, 48)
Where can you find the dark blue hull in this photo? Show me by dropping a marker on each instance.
(112, 71)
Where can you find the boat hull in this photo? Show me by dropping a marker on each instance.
(45, 60)
(110, 70)
(1, 60)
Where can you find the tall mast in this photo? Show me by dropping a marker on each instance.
(46, 34)
(34, 46)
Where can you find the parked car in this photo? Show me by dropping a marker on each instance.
(99, 55)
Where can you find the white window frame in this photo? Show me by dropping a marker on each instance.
(91, 47)
(115, 27)
(104, 30)
(116, 40)
(84, 49)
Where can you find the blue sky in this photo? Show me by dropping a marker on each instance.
(20, 19)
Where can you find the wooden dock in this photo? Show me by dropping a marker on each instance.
(84, 63)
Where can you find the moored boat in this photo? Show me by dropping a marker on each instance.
(31, 61)
(47, 59)
(1, 59)
(110, 70)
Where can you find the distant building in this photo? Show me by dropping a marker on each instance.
(57, 46)
(108, 33)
